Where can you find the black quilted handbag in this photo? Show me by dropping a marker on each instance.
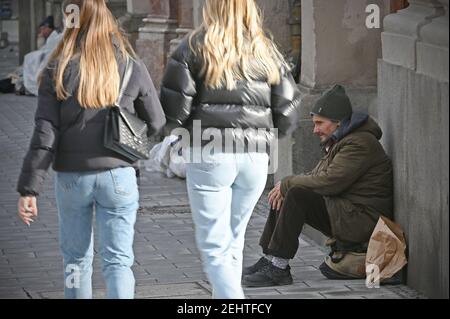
(125, 133)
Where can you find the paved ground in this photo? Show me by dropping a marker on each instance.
(167, 261)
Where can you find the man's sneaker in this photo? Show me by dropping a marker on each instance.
(262, 262)
(269, 276)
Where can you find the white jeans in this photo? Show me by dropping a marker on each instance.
(223, 193)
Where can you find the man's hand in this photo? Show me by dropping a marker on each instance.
(275, 197)
(27, 209)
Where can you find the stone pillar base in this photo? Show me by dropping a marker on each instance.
(432, 49)
(400, 33)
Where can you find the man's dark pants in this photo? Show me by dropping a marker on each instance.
(282, 229)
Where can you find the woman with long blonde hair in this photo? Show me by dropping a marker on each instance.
(77, 88)
(228, 80)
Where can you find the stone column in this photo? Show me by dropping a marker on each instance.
(39, 15)
(432, 48)
(32, 12)
(137, 10)
(24, 29)
(185, 22)
(154, 39)
(197, 13)
(295, 23)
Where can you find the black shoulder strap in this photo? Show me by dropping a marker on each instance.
(126, 80)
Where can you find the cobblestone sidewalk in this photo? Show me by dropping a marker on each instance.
(167, 261)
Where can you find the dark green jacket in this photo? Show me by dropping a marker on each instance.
(355, 178)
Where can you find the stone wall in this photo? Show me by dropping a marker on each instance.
(153, 44)
(276, 15)
(413, 88)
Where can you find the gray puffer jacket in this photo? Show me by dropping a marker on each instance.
(71, 137)
(255, 105)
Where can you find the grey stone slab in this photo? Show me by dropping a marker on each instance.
(175, 280)
(36, 274)
(261, 292)
(291, 296)
(57, 294)
(144, 248)
(302, 288)
(17, 249)
(342, 295)
(49, 253)
(50, 247)
(21, 257)
(193, 271)
(194, 263)
(177, 252)
(149, 259)
(203, 296)
(382, 296)
(158, 291)
(323, 282)
(14, 295)
(9, 282)
(44, 241)
(36, 284)
(168, 275)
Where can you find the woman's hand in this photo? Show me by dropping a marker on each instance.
(27, 209)
(275, 197)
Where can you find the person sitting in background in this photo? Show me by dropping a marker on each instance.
(24, 80)
(342, 197)
(34, 62)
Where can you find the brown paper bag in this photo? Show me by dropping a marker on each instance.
(386, 249)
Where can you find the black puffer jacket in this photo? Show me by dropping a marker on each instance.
(255, 104)
(71, 137)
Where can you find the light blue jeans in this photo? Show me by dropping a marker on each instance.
(113, 195)
(223, 193)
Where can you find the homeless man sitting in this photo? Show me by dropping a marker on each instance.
(342, 197)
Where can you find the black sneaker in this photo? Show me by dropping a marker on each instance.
(262, 262)
(269, 276)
